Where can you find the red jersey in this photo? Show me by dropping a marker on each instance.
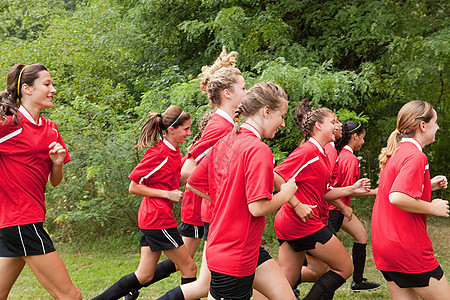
(217, 127)
(191, 206)
(25, 166)
(159, 169)
(348, 172)
(331, 152)
(400, 241)
(311, 168)
(237, 172)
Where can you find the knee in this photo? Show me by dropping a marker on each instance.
(362, 238)
(189, 270)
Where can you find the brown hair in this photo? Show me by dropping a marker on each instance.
(260, 95)
(408, 120)
(158, 123)
(306, 117)
(219, 76)
(202, 124)
(10, 97)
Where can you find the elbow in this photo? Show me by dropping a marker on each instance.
(132, 188)
(255, 210)
(394, 199)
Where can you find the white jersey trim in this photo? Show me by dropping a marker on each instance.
(411, 140)
(154, 170)
(316, 143)
(27, 115)
(252, 129)
(168, 144)
(203, 154)
(348, 148)
(224, 115)
(11, 135)
(305, 165)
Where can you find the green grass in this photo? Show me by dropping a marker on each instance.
(95, 265)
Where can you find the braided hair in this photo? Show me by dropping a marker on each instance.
(348, 129)
(306, 117)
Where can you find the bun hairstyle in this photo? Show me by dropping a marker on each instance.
(10, 98)
(260, 95)
(408, 120)
(348, 129)
(219, 76)
(306, 117)
(158, 123)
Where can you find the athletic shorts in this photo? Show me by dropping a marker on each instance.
(408, 280)
(189, 230)
(335, 220)
(25, 240)
(160, 239)
(309, 242)
(226, 287)
(205, 230)
(263, 256)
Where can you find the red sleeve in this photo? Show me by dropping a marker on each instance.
(410, 179)
(149, 165)
(295, 163)
(258, 173)
(7, 133)
(199, 178)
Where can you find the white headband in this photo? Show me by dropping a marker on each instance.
(176, 120)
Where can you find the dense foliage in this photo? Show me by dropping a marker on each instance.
(114, 60)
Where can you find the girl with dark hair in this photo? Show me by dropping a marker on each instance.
(402, 250)
(299, 224)
(157, 179)
(32, 152)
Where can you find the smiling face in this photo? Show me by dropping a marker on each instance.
(274, 120)
(178, 135)
(40, 94)
(358, 140)
(329, 127)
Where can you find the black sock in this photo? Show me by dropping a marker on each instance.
(163, 270)
(359, 261)
(325, 286)
(121, 288)
(185, 280)
(173, 294)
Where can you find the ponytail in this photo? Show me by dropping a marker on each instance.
(237, 114)
(393, 143)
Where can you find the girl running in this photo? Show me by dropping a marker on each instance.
(402, 249)
(32, 152)
(297, 229)
(238, 176)
(157, 179)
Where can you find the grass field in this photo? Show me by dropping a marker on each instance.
(95, 265)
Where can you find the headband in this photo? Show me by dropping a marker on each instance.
(176, 120)
(359, 125)
(18, 81)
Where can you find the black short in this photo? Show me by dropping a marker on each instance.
(309, 242)
(407, 280)
(263, 256)
(160, 239)
(335, 220)
(189, 230)
(25, 240)
(205, 230)
(226, 287)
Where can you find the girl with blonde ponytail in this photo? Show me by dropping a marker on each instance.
(402, 250)
(157, 179)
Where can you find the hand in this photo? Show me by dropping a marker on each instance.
(305, 211)
(57, 153)
(362, 186)
(347, 211)
(440, 208)
(174, 195)
(289, 187)
(439, 182)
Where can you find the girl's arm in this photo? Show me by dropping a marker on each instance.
(57, 154)
(198, 193)
(362, 186)
(145, 191)
(264, 206)
(437, 207)
(439, 182)
(187, 169)
(304, 211)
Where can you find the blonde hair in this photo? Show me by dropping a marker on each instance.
(158, 123)
(408, 120)
(261, 94)
(306, 117)
(219, 76)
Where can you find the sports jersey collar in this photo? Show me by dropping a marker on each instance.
(316, 143)
(411, 140)
(224, 115)
(333, 144)
(348, 148)
(27, 115)
(168, 144)
(252, 129)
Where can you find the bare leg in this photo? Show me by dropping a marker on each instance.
(191, 244)
(147, 264)
(398, 293)
(181, 258)
(200, 287)
(314, 269)
(50, 271)
(436, 290)
(291, 262)
(10, 268)
(271, 282)
(356, 229)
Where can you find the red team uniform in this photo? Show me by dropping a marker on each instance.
(400, 241)
(159, 169)
(196, 210)
(25, 166)
(237, 172)
(311, 168)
